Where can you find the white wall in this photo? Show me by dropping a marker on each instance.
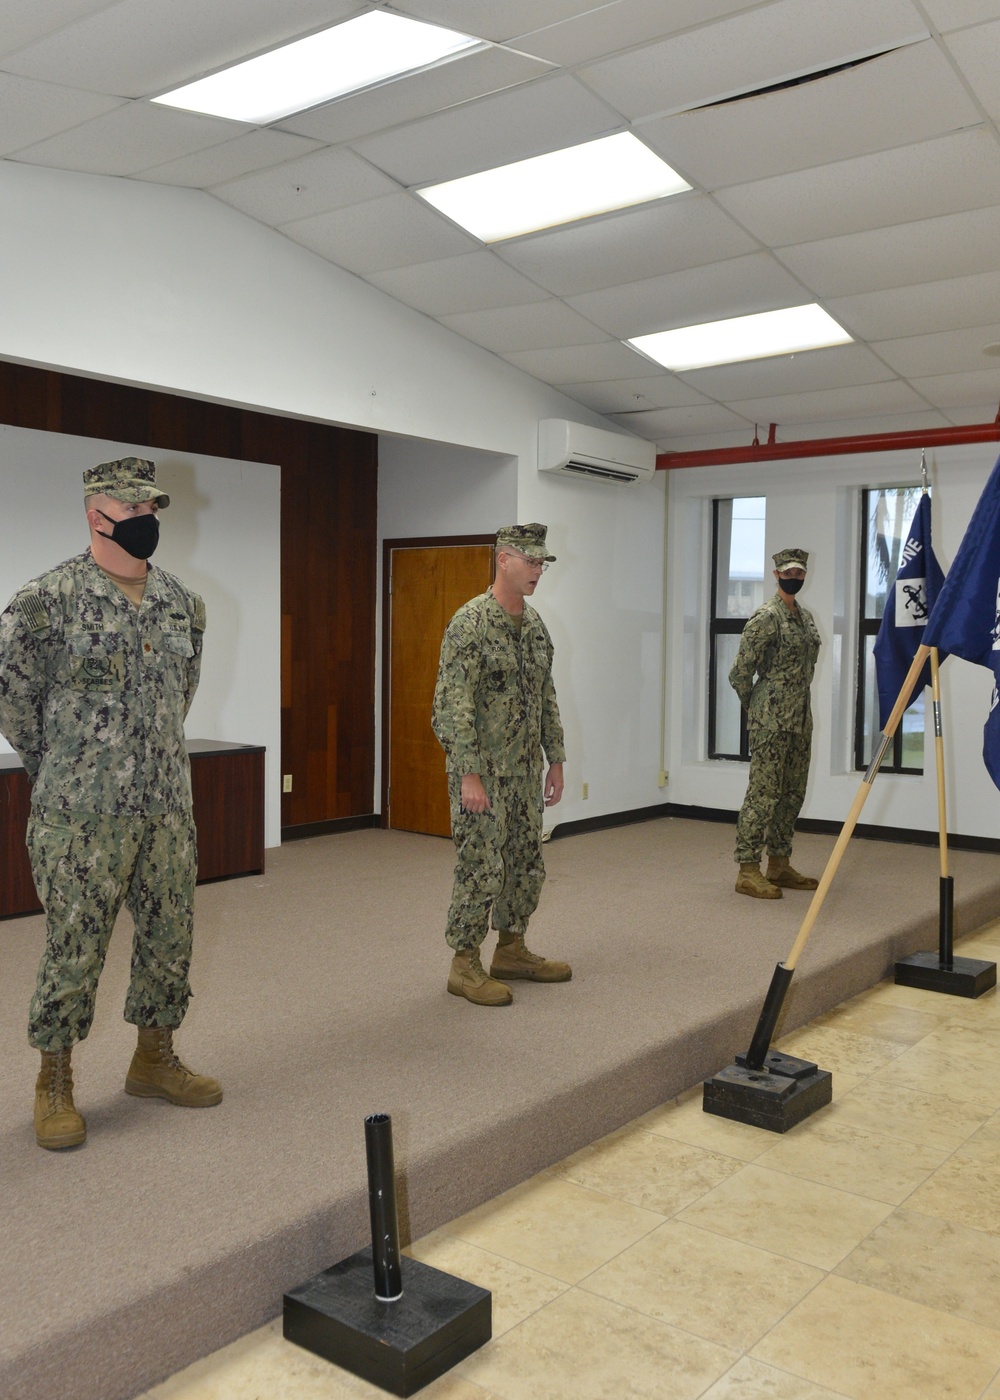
(220, 535)
(168, 288)
(814, 504)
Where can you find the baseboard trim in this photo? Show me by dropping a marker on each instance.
(898, 835)
(328, 828)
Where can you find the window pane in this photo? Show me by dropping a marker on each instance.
(727, 704)
(739, 585)
(912, 728)
(889, 514)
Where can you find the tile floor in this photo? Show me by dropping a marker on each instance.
(687, 1256)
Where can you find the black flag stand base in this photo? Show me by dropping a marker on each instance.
(763, 1087)
(413, 1325)
(942, 971)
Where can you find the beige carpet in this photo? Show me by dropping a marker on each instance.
(320, 999)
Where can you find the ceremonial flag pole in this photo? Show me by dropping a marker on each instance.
(764, 1087)
(966, 619)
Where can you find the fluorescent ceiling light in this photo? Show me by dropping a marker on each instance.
(743, 338)
(611, 173)
(356, 54)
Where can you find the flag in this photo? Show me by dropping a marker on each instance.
(907, 608)
(966, 617)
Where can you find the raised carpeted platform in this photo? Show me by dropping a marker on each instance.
(321, 998)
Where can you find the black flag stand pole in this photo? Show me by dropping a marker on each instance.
(942, 971)
(764, 1087)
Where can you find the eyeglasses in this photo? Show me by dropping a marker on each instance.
(535, 563)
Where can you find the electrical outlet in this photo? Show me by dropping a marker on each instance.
(664, 778)
(286, 783)
(585, 791)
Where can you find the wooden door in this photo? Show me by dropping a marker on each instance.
(426, 586)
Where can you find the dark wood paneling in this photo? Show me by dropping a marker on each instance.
(17, 888)
(227, 793)
(328, 534)
(227, 787)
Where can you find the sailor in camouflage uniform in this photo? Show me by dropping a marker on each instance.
(99, 661)
(496, 717)
(779, 646)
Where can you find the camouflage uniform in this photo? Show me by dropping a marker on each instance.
(495, 714)
(93, 696)
(779, 645)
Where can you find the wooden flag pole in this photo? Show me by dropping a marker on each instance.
(759, 1046)
(942, 971)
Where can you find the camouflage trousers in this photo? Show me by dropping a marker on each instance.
(499, 865)
(776, 789)
(85, 868)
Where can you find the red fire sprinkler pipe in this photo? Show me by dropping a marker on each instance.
(773, 451)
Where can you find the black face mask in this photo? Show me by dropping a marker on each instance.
(138, 535)
(790, 585)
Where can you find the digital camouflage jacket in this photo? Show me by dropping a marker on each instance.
(94, 693)
(780, 647)
(495, 708)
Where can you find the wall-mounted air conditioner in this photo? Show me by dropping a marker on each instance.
(593, 454)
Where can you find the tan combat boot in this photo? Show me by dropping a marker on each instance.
(750, 881)
(157, 1073)
(467, 979)
(513, 959)
(779, 872)
(57, 1123)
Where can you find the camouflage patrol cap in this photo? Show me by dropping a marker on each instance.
(528, 540)
(131, 479)
(790, 559)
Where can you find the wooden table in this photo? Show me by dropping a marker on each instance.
(227, 785)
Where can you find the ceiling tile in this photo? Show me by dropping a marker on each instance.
(326, 179)
(896, 100)
(978, 54)
(538, 326)
(379, 234)
(969, 390)
(578, 363)
(526, 121)
(129, 139)
(916, 310)
(703, 442)
(693, 418)
(416, 95)
(137, 47)
(682, 231)
(500, 19)
(951, 14)
(766, 45)
(254, 151)
(620, 26)
(860, 400)
(469, 282)
(631, 395)
(31, 111)
(925, 354)
(927, 251)
(941, 176)
(738, 287)
(25, 21)
(836, 367)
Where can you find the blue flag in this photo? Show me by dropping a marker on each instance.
(966, 617)
(907, 608)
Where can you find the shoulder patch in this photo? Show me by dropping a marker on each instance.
(198, 617)
(34, 612)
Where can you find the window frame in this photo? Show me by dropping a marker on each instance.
(721, 626)
(869, 627)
